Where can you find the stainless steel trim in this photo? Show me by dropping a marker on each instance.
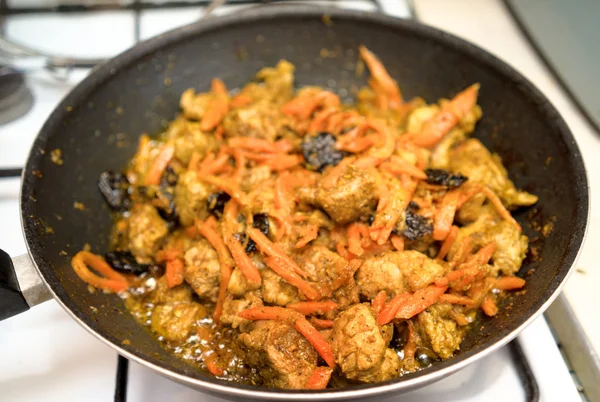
(33, 288)
(581, 354)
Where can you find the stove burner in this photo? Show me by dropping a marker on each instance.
(15, 97)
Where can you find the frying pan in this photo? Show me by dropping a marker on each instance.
(97, 125)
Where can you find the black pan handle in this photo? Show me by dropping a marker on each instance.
(20, 285)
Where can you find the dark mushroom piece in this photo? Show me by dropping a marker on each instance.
(444, 178)
(115, 189)
(124, 261)
(319, 152)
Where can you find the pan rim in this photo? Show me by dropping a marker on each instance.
(103, 73)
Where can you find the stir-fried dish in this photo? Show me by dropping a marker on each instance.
(280, 237)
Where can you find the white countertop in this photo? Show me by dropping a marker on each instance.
(488, 24)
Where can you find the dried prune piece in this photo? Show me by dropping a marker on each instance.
(124, 261)
(115, 189)
(216, 203)
(444, 178)
(319, 151)
(417, 225)
(260, 222)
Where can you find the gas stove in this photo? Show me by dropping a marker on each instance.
(46, 356)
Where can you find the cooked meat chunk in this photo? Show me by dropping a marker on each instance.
(231, 308)
(174, 321)
(381, 272)
(162, 294)
(352, 197)
(419, 116)
(188, 138)
(277, 84)
(277, 291)
(472, 159)
(418, 269)
(191, 195)
(147, 231)
(389, 368)
(284, 358)
(347, 295)
(511, 247)
(358, 343)
(194, 105)
(396, 272)
(441, 332)
(260, 120)
(202, 270)
(326, 268)
(238, 284)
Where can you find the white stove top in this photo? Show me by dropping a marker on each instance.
(46, 356)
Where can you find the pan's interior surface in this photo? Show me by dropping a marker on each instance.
(98, 125)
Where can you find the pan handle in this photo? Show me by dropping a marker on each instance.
(20, 285)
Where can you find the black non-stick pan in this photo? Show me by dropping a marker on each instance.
(97, 127)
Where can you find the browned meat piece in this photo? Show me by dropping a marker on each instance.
(231, 308)
(190, 198)
(472, 159)
(175, 321)
(276, 86)
(381, 272)
(260, 120)
(352, 197)
(202, 270)
(163, 294)
(511, 247)
(188, 138)
(147, 231)
(238, 284)
(326, 268)
(418, 270)
(255, 177)
(347, 295)
(396, 272)
(194, 105)
(277, 291)
(440, 331)
(284, 358)
(389, 369)
(358, 343)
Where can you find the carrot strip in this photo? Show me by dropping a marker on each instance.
(329, 181)
(316, 340)
(509, 283)
(227, 187)
(320, 323)
(212, 366)
(311, 233)
(214, 166)
(489, 306)
(420, 301)
(159, 164)
(209, 232)
(444, 216)
(218, 108)
(464, 248)
(448, 242)
(389, 311)
(410, 347)
(252, 144)
(319, 119)
(271, 313)
(319, 378)
(240, 100)
(318, 308)
(397, 165)
(243, 262)
(460, 318)
(112, 280)
(398, 242)
(341, 250)
(354, 240)
(280, 267)
(174, 272)
(456, 299)
(379, 302)
(485, 253)
(240, 164)
(380, 75)
(283, 161)
(271, 249)
(194, 161)
(504, 213)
